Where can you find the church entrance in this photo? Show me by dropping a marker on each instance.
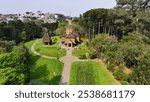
(69, 45)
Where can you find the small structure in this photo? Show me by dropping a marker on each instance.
(46, 37)
(70, 37)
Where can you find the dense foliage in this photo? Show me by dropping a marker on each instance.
(118, 21)
(6, 46)
(125, 42)
(13, 67)
(132, 52)
(19, 31)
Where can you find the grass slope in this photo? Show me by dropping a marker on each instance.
(90, 73)
(42, 69)
(52, 50)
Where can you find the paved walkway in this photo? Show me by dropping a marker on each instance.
(68, 59)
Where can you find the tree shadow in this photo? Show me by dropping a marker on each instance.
(32, 62)
(39, 75)
(40, 72)
(55, 80)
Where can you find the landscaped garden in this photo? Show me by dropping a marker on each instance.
(91, 73)
(43, 70)
(52, 50)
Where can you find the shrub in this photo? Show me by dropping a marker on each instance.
(8, 45)
(124, 83)
(92, 54)
(111, 66)
(120, 75)
(11, 76)
(83, 56)
(54, 40)
(13, 67)
(2, 50)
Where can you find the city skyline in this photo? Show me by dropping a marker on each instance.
(66, 7)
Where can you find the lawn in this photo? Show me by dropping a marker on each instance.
(82, 49)
(42, 70)
(29, 44)
(52, 50)
(91, 73)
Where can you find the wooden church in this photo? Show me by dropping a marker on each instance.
(70, 37)
(46, 38)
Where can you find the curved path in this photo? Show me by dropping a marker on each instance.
(36, 53)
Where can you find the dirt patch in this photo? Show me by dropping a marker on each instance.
(127, 70)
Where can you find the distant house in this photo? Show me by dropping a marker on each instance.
(70, 37)
(47, 37)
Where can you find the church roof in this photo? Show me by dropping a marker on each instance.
(76, 34)
(70, 36)
(67, 41)
(64, 34)
(69, 26)
(70, 32)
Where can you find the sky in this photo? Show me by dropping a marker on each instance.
(66, 7)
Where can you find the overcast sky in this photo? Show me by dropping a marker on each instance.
(67, 7)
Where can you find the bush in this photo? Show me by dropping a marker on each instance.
(11, 76)
(120, 75)
(8, 45)
(13, 67)
(124, 83)
(92, 54)
(2, 50)
(54, 40)
(83, 56)
(111, 66)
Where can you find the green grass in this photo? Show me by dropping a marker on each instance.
(90, 73)
(82, 49)
(52, 50)
(42, 69)
(29, 44)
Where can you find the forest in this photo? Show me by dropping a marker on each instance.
(121, 38)
(14, 66)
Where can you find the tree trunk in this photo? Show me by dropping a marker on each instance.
(93, 31)
(105, 29)
(99, 25)
(89, 35)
